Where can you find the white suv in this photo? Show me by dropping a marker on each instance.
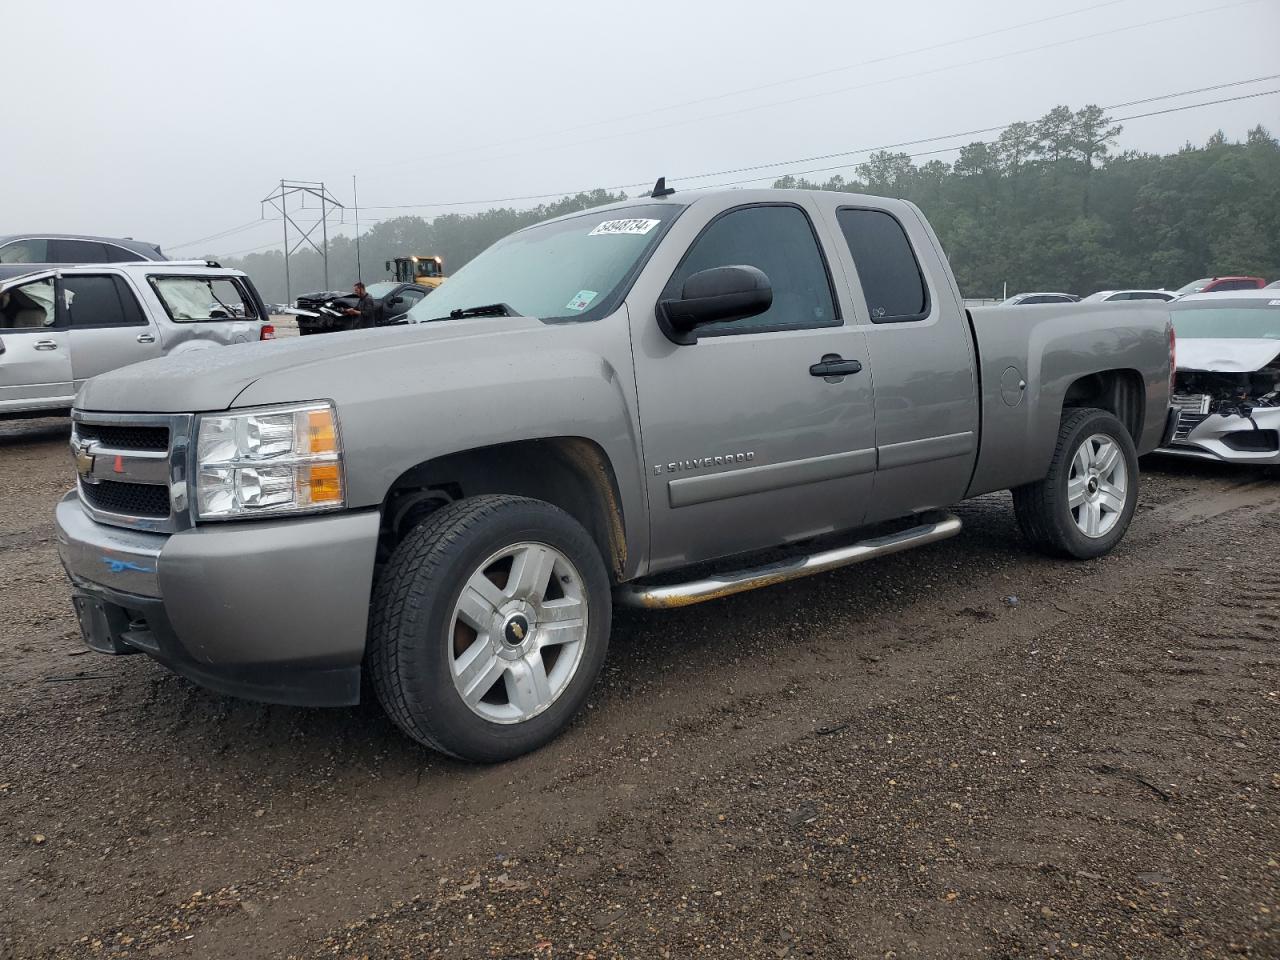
(59, 326)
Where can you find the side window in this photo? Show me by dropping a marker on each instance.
(77, 251)
(887, 267)
(409, 300)
(778, 240)
(28, 307)
(25, 251)
(1037, 299)
(121, 255)
(1145, 296)
(198, 299)
(100, 302)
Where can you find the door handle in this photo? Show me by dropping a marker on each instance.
(833, 366)
(46, 344)
(146, 338)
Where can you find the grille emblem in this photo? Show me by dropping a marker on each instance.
(85, 460)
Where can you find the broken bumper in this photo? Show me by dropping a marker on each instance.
(271, 611)
(1229, 439)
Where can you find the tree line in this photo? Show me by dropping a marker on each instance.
(1048, 205)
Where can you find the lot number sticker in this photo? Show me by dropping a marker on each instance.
(632, 227)
(581, 300)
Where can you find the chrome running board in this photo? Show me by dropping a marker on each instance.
(939, 526)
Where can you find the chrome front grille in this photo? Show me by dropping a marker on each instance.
(132, 468)
(128, 499)
(124, 437)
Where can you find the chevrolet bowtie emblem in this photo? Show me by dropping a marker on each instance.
(84, 459)
(518, 631)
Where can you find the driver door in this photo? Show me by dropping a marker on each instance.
(401, 302)
(35, 349)
(747, 444)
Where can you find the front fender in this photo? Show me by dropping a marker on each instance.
(430, 398)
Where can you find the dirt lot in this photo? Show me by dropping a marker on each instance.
(964, 751)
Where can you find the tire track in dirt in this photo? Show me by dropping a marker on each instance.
(767, 699)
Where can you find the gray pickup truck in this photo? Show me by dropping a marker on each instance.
(654, 403)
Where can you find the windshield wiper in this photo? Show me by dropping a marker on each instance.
(487, 310)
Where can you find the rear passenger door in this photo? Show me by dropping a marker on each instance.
(922, 357)
(108, 326)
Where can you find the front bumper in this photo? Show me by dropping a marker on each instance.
(1229, 439)
(274, 610)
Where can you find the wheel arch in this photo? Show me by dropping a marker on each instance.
(1121, 392)
(573, 473)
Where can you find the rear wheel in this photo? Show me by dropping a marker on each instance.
(490, 625)
(1083, 507)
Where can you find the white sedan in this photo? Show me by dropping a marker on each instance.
(1111, 296)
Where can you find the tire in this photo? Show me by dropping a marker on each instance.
(479, 561)
(1056, 513)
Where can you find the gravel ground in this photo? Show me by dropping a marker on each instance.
(968, 750)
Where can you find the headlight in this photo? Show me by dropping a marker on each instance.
(268, 461)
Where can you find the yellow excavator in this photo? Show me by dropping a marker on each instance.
(427, 271)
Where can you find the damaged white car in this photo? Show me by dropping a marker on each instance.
(1227, 390)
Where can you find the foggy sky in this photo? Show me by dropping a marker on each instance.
(171, 121)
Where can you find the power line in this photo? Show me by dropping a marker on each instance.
(798, 160)
(991, 129)
(261, 246)
(651, 111)
(811, 159)
(882, 81)
(927, 153)
(216, 236)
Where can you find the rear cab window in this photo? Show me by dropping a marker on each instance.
(892, 282)
(194, 299)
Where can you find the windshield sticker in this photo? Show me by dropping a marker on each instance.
(633, 227)
(581, 300)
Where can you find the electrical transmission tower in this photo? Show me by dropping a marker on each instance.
(279, 200)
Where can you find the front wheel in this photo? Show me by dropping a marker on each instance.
(1083, 507)
(490, 624)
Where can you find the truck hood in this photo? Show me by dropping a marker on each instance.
(211, 379)
(1226, 355)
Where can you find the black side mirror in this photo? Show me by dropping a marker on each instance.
(721, 293)
(395, 301)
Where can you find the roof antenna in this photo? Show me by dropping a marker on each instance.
(660, 189)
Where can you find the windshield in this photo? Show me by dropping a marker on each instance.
(380, 290)
(572, 268)
(1195, 286)
(1247, 321)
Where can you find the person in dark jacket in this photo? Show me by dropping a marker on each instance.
(366, 308)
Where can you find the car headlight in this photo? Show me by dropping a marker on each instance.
(268, 461)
